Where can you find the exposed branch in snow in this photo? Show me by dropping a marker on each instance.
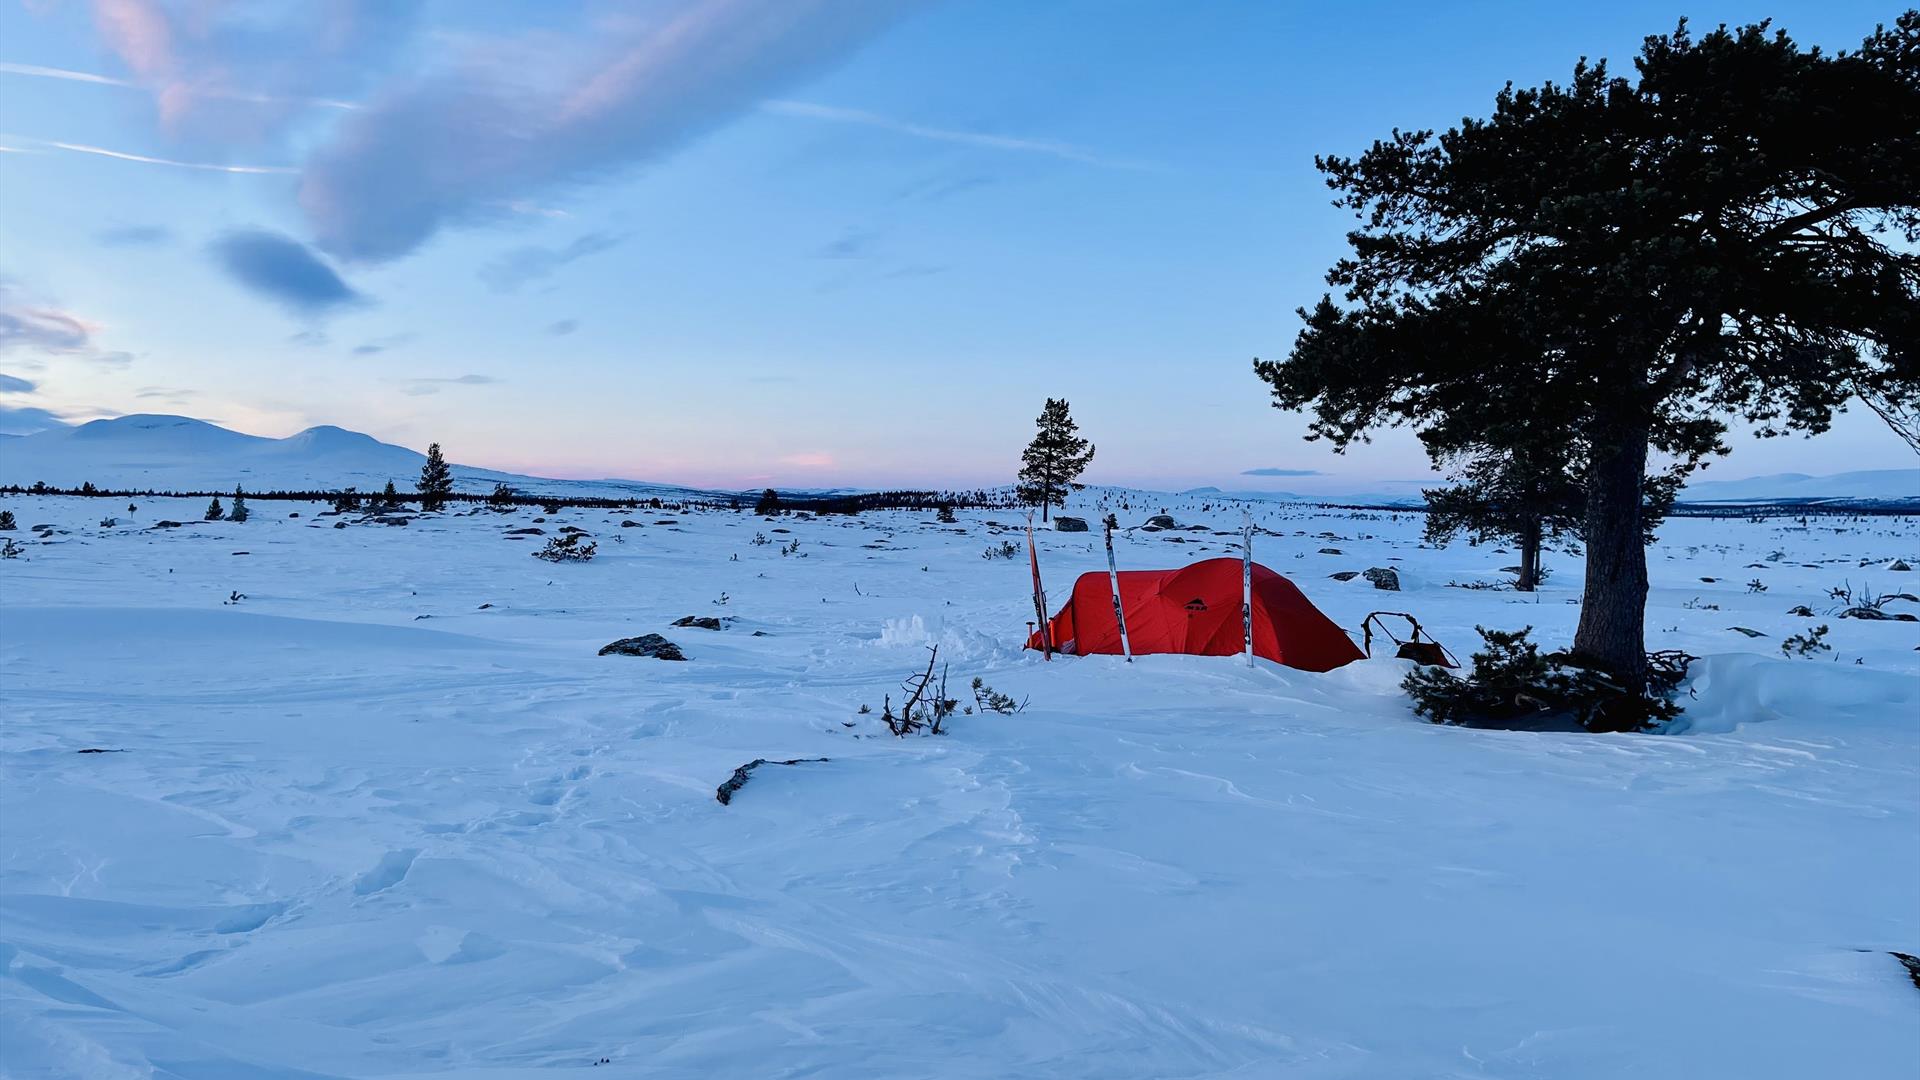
(738, 780)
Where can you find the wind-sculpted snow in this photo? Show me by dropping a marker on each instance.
(387, 813)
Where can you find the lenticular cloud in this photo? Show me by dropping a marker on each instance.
(466, 143)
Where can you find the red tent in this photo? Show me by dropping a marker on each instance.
(1196, 610)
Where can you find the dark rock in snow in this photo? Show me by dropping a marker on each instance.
(631, 524)
(645, 645)
(164, 525)
(1900, 564)
(1162, 521)
(700, 622)
(1382, 578)
(1331, 551)
(525, 532)
(1746, 631)
(1874, 614)
(1070, 524)
(1345, 575)
(1912, 964)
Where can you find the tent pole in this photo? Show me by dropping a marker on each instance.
(1113, 579)
(1246, 579)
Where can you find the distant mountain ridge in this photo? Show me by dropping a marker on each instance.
(178, 453)
(1874, 484)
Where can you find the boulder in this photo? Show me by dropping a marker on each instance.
(1070, 524)
(1331, 551)
(1344, 575)
(1900, 564)
(1162, 521)
(645, 645)
(1382, 578)
(700, 622)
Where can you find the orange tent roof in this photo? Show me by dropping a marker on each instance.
(1196, 610)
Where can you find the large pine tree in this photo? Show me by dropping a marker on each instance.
(1054, 460)
(1716, 239)
(436, 480)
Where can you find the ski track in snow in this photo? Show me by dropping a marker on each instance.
(363, 827)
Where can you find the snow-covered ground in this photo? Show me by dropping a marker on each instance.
(386, 813)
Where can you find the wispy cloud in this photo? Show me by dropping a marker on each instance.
(521, 265)
(1271, 471)
(30, 327)
(380, 345)
(40, 329)
(423, 387)
(981, 139)
(14, 384)
(563, 327)
(134, 235)
(239, 73)
(210, 91)
(852, 244)
(284, 271)
(459, 144)
(147, 159)
(171, 395)
(28, 419)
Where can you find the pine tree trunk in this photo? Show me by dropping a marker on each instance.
(1613, 611)
(1529, 557)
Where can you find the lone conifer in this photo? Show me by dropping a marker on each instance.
(215, 511)
(436, 480)
(239, 513)
(1054, 460)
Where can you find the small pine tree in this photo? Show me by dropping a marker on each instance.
(215, 511)
(502, 496)
(87, 488)
(346, 501)
(239, 513)
(436, 480)
(1053, 462)
(390, 498)
(769, 503)
(6, 521)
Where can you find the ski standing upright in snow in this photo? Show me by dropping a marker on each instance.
(1113, 579)
(1246, 580)
(1039, 594)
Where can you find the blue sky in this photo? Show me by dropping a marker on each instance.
(800, 242)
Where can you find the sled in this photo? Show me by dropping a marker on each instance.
(1429, 652)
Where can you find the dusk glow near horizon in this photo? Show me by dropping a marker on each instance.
(733, 243)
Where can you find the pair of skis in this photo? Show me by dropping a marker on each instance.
(1040, 593)
(1113, 582)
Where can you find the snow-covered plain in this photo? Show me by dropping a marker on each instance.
(388, 814)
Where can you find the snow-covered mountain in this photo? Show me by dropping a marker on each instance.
(178, 453)
(1878, 484)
